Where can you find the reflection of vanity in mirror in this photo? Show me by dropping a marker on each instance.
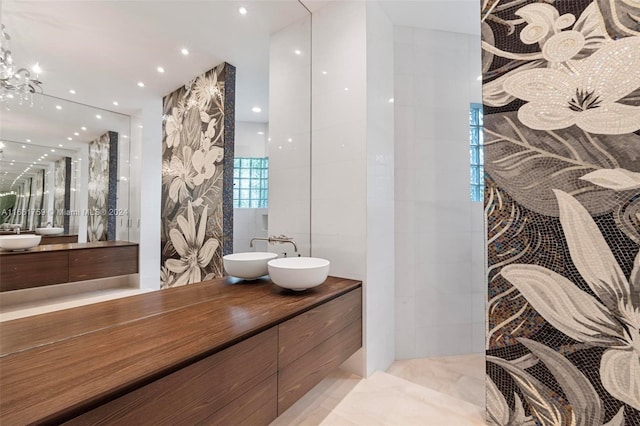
(75, 179)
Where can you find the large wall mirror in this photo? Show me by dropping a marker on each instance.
(105, 68)
(56, 169)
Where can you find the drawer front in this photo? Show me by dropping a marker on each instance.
(197, 392)
(258, 407)
(89, 264)
(301, 334)
(33, 270)
(59, 239)
(307, 371)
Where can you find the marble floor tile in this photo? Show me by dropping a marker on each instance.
(460, 376)
(386, 400)
(319, 402)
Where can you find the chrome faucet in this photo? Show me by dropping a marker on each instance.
(281, 239)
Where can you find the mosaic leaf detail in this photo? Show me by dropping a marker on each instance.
(528, 163)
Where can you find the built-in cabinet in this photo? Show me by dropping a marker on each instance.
(241, 354)
(62, 263)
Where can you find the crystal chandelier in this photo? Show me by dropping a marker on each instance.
(16, 84)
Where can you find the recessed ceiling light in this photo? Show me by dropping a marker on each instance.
(242, 10)
(76, 133)
(391, 100)
(261, 133)
(289, 140)
(184, 51)
(140, 84)
(346, 89)
(46, 155)
(58, 107)
(256, 109)
(324, 72)
(83, 128)
(98, 116)
(116, 103)
(69, 139)
(140, 126)
(73, 92)
(53, 150)
(297, 52)
(125, 136)
(24, 146)
(160, 70)
(28, 140)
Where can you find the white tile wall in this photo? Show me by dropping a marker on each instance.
(439, 232)
(353, 165)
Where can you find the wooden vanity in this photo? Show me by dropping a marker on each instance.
(62, 263)
(218, 352)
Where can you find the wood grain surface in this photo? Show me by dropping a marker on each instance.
(90, 264)
(306, 331)
(196, 392)
(140, 339)
(33, 270)
(300, 376)
(58, 239)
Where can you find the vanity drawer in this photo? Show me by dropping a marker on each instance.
(222, 388)
(26, 270)
(89, 264)
(303, 374)
(301, 334)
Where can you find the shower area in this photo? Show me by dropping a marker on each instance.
(439, 219)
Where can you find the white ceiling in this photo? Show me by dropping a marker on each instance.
(102, 49)
(458, 16)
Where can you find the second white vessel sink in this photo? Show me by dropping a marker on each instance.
(298, 273)
(249, 265)
(49, 231)
(19, 242)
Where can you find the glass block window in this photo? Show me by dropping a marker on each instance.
(476, 151)
(250, 183)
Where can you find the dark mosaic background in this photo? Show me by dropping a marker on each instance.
(524, 229)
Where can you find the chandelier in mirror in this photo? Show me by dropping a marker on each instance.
(17, 84)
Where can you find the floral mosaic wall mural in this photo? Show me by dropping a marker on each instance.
(197, 155)
(102, 187)
(62, 193)
(561, 89)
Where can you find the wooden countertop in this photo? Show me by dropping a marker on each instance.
(57, 365)
(68, 246)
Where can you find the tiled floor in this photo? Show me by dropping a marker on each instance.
(427, 392)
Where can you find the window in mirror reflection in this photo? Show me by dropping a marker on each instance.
(476, 151)
(250, 183)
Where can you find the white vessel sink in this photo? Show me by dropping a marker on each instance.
(19, 242)
(298, 273)
(49, 231)
(248, 266)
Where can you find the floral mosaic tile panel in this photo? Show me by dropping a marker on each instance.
(102, 187)
(194, 147)
(561, 94)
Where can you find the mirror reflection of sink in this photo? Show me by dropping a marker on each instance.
(298, 273)
(49, 231)
(249, 266)
(19, 242)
